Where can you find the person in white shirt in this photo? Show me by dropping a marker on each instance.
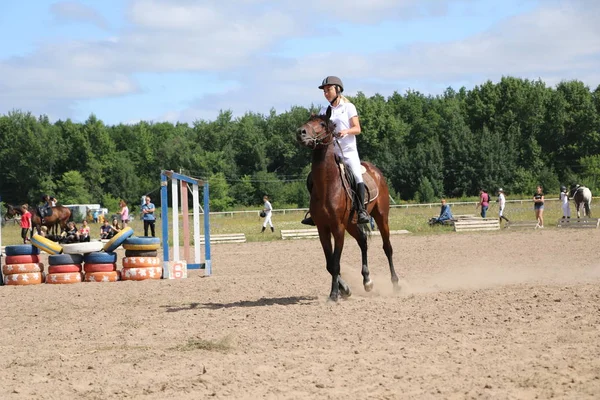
(347, 127)
(268, 208)
(564, 200)
(501, 203)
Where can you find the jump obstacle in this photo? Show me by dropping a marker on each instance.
(179, 186)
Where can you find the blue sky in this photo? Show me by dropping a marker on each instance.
(183, 60)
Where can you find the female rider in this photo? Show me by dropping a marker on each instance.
(344, 115)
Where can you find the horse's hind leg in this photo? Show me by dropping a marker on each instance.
(384, 229)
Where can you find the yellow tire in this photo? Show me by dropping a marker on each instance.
(33, 278)
(45, 244)
(153, 246)
(117, 240)
(140, 274)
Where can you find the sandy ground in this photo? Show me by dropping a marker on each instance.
(503, 315)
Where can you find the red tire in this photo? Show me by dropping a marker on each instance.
(64, 268)
(140, 274)
(28, 268)
(28, 259)
(100, 267)
(110, 276)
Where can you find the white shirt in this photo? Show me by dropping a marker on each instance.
(501, 201)
(564, 198)
(268, 207)
(341, 115)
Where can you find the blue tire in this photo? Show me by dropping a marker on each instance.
(100, 257)
(21, 250)
(64, 259)
(141, 240)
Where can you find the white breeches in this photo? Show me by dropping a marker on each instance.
(566, 210)
(267, 221)
(351, 158)
(500, 212)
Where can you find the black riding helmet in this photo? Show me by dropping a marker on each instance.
(563, 188)
(333, 80)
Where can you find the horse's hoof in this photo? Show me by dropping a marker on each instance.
(345, 293)
(332, 298)
(368, 286)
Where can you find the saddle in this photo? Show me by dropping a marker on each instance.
(371, 189)
(44, 211)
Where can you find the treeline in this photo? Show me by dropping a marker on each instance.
(513, 134)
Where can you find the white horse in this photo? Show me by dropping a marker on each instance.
(582, 197)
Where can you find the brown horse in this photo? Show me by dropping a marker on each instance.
(331, 204)
(59, 217)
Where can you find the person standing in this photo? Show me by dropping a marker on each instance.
(538, 206)
(501, 204)
(268, 210)
(124, 213)
(148, 216)
(484, 202)
(347, 127)
(25, 223)
(564, 200)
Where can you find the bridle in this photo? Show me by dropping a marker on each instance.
(324, 138)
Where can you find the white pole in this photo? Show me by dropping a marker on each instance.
(175, 196)
(196, 205)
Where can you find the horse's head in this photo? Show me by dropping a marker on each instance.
(318, 131)
(11, 211)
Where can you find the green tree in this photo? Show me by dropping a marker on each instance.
(73, 189)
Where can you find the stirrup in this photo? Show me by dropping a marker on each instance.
(363, 217)
(307, 220)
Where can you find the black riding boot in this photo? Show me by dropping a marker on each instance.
(363, 217)
(263, 229)
(272, 229)
(308, 220)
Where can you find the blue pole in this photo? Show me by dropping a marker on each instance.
(208, 263)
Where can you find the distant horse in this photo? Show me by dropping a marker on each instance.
(331, 204)
(582, 197)
(59, 217)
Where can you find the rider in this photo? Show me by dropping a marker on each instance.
(344, 115)
(564, 199)
(44, 210)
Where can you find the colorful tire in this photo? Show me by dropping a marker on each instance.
(25, 268)
(140, 262)
(153, 246)
(21, 250)
(117, 240)
(64, 269)
(100, 258)
(110, 276)
(46, 245)
(74, 277)
(83, 248)
(141, 253)
(140, 274)
(24, 259)
(33, 278)
(107, 267)
(141, 240)
(62, 259)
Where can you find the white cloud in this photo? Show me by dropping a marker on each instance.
(72, 11)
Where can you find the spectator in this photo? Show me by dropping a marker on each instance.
(538, 206)
(70, 235)
(484, 202)
(124, 213)
(25, 223)
(114, 228)
(501, 203)
(148, 216)
(564, 199)
(84, 232)
(445, 214)
(95, 216)
(105, 230)
(268, 210)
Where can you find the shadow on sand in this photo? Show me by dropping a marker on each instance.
(282, 301)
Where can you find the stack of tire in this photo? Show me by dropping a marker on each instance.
(22, 265)
(101, 266)
(141, 261)
(64, 269)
